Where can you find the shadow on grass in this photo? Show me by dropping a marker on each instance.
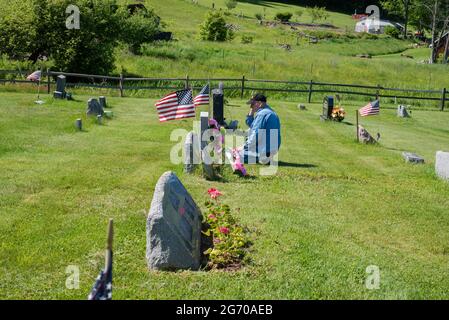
(295, 165)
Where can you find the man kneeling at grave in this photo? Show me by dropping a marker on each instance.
(264, 136)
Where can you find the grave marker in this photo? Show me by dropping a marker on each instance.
(173, 227)
(60, 87)
(442, 165)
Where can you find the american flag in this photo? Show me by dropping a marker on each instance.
(203, 97)
(371, 109)
(102, 289)
(176, 105)
(35, 76)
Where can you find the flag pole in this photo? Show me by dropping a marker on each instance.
(109, 245)
(357, 124)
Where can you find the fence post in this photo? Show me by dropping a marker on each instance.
(121, 85)
(310, 90)
(443, 100)
(243, 87)
(48, 81)
(378, 92)
(187, 82)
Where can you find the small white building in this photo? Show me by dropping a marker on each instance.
(375, 26)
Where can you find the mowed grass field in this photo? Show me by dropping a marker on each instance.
(334, 207)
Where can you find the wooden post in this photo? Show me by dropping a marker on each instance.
(243, 87)
(48, 81)
(121, 84)
(357, 124)
(187, 82)
(443, 99)
(310, 90)
(378, 92)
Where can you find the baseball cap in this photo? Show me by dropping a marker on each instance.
(257, 97)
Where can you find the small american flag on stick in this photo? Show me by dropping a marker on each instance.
(102, 289)
(176, 105)
(35, 76)
(371, 109)
(203, 97)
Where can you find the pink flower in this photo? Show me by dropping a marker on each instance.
(224, 230)
(212, 217)
(217, 240)
(214, 193)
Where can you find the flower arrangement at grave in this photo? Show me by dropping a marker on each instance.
(338, 114)
(229, 238)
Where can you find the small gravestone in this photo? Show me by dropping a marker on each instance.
(102, 101)
(94, 107)
(412, 157)
(442, 165)
(79, 124)
(60, 87)
(208, 168)
(328, 106)
(173, 227)
(301, 107)
(191, 152)
(402, 112)
(365, 137)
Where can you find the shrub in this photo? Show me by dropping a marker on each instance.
(247, 39)
(214, 28)
(231, 4)
(318, 13)
(392, 32)
(283, 16)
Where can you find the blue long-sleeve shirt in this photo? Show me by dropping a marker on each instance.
(259, 142)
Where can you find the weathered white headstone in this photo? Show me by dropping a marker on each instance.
(402, 112)
(173, 227)
(412, 157)
(442, 165)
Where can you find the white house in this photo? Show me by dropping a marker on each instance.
(376, 26)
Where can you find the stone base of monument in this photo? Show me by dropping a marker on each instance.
(173, 227)
(442, 165)
(59, 95)
(412, 158)
(365, 137)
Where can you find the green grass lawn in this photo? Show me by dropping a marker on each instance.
(333, 208)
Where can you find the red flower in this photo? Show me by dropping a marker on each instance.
(224, 230)
(214, 193)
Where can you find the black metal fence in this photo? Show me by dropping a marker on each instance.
(234, 86)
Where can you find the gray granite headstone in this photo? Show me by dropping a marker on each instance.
(442, 165)
(365, 137)
(191, 152)
(412, 157)
(60, 87)
(173, 227)
(402, 112)
(301, 107)
(94, 107)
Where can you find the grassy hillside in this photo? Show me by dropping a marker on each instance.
(333, 208)
(332, 59)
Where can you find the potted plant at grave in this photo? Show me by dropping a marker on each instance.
(338, 114)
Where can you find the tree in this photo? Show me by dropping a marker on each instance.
(401, 8)
(214, 28)
(40, 29)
